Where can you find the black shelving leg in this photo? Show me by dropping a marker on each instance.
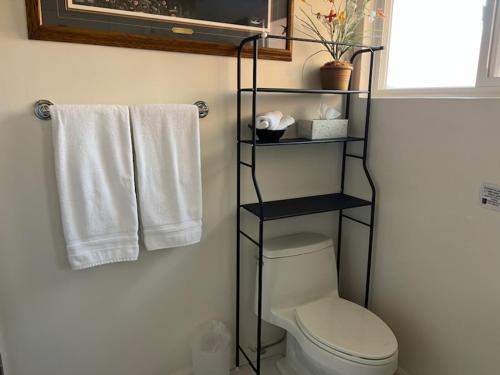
(238, 269)
(259, 197)
(238, 213)
(237, 359)
(339, 232)
(238, 278)
(259, 307)
(370, 251)
(339, 247)
(370, 180)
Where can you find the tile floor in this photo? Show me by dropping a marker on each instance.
(268, 368)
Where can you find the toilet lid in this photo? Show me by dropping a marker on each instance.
(346, 327)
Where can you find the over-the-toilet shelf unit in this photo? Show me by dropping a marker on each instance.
(280, 209)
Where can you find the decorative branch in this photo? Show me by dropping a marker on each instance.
(338, 24)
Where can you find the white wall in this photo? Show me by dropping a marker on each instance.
(132, 318)
(436, 270)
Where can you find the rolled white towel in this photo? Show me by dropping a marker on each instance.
(269, 120)
(262, 123)
(285, 122)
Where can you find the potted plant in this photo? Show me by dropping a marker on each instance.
(338, 21)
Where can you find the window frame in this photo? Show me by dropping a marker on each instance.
(489, 45)
(486, 86)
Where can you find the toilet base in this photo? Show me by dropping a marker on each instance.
(284, 368)
(294, 362)
(298, 362)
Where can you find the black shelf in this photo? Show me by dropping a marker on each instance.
(280, 90)
(295, 207)
(281, 209)
(300, 141)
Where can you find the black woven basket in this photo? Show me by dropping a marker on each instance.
(266, 135)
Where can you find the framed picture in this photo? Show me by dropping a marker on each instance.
(213, 27)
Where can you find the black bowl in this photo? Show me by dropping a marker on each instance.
(265, 135)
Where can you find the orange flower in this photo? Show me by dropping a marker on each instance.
(342, 16)
(380, 13)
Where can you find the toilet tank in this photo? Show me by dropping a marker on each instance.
(297, 269)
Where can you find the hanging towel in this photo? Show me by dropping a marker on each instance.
(167, 150)
(94, 170)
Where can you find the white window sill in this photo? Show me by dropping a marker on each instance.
(439, 93)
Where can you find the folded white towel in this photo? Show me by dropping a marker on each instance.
(269, 120)
(94, 169)
(285, 122)
(167, 149)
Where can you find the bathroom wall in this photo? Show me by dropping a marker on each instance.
(437, 252)
(133, 318)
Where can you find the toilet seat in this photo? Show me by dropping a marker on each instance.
(346, 329)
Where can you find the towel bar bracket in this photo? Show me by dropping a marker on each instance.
(202, 108)
(42, 109)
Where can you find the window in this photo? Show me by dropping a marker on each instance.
(488, 73)
(436, 44)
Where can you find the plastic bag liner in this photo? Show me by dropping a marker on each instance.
(211, 349)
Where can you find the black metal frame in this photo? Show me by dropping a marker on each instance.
(338, 201)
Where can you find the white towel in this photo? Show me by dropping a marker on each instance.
(269, 120)
(167, 149)
(285, 122)
(94, 169)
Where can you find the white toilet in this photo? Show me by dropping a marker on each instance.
(326, 335)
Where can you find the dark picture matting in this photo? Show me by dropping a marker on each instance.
(181, 25)
(244, 15)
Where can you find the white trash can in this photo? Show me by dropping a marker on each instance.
(211, 349)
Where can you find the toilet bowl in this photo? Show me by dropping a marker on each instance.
(326, 335)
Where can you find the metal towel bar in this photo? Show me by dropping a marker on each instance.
(43, 113)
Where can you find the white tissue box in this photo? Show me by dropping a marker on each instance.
(321, 129)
